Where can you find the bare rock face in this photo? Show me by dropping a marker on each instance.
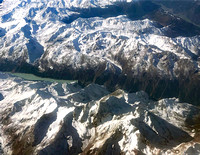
(53, 118)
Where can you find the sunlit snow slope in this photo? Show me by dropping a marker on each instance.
(51, 118)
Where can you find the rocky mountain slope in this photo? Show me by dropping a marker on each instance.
(51, 118)
(189, 10)
(134, 45)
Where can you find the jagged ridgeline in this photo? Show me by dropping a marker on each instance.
(140, 45)
(39, 118)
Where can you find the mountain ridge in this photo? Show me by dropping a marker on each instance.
(137, 66)
(110, 49)
(48, 118)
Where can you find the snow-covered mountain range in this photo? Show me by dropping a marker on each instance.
(110, 42)
(137, 65)
(53, 118)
